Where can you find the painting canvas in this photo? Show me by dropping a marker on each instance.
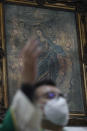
(57, 35)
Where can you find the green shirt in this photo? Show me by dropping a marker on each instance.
(7, 124)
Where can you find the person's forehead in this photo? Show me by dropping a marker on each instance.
(47, 88)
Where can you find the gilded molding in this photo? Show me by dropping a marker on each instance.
(4, 77)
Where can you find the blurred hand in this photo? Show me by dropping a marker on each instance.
(30, 56)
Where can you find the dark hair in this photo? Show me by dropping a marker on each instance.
(44, 82)
(29, 90)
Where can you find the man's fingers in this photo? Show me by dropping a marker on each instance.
(30, 55)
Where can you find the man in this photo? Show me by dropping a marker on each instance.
(46, 91)
(24, 113)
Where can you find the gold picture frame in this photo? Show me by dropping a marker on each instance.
(75, 118)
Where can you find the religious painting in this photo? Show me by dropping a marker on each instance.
(59, 60)
(57, 33)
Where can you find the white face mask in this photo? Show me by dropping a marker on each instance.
(56, 111)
